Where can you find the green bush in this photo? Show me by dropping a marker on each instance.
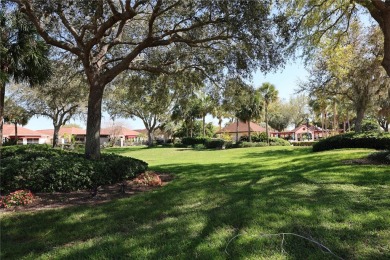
(276, 141)
(167, 145)
(251, 144)
(256, 137)
(371, 140)
(191, 141)
(304, 143)
(199, 146)
(214, 143)
(179, 145)
(40, 168)
(262, 138)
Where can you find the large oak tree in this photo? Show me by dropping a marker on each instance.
(314, 19)
(110, 37)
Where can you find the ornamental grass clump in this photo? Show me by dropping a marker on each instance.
(17, 198)
(148, 179)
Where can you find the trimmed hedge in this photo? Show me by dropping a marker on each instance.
(304, 143)
(40, 168)
(262, 138)
(191, 141)
(251, 144)
(276, 141)
(208, 143)
(373, 140)
(214, 143)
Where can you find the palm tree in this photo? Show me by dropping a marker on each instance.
(205, 106)
(269, 94)
(16, 115)
(22, 56)
(251, 109)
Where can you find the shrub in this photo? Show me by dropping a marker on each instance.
(214, 143)
(179, 145)
(191, 141)
(199, 147)
(276, 141)
(304, 143)
(249, 144)
(43, 169)
(148, 179)
(371, 140)
(167, 144)
(262, 138)
(17, 198)
(226, 137)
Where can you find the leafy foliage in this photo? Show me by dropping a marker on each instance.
(191, 141)
(354, 140)
(215, 143)
(110, 37)
(262, 138)
(42, 169)
(304, 143)
(15, 114)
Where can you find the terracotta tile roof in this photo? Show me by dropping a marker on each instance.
(311, 128)
(65, 130)
(141, 131)
(242, 128)
(9, 130)
(118, 130)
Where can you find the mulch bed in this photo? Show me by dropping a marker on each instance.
(125, 189)
(363, 161)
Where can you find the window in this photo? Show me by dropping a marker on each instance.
(32, 140)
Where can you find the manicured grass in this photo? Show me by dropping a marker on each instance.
(216, 196)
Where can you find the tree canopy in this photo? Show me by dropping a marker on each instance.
(158, 36)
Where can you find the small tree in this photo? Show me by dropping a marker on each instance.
(146, 96)
(269, 95)
(279, 116)
(60, 99)
(15, 114)
(251, 109)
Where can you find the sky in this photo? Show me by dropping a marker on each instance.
(285, 80)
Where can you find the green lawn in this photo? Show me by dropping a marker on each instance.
(220, 196)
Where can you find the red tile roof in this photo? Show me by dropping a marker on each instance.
(118, 130)
(65, 130)
(242, 128)
(9, 130)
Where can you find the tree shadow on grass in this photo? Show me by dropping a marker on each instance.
(207, 205)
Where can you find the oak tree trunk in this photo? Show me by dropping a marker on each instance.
(359, 118)
(92, 143)
(237, 130)
(2, 98)
(150, 138)
(385, 26)
(55, 135)
(266, 124)
(16, 133)
(203, 126)
(249, 131)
